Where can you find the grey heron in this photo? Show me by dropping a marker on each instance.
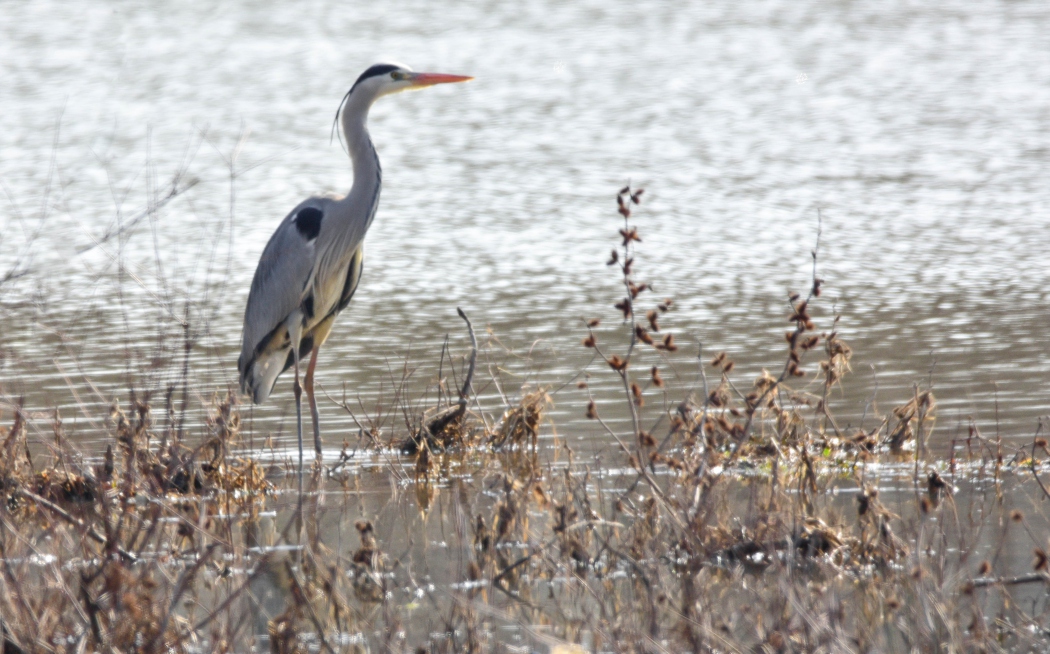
(311, 266)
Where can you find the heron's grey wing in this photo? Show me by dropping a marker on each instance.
(285, 270)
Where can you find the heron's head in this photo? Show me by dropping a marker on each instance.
(384, 79)
(380, 80)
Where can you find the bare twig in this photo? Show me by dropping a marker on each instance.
(174, 190)
(465, 392)
(1030, 578)
(62, 513)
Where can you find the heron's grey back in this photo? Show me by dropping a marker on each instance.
(284, 271)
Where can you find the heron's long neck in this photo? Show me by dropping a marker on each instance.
(368, 175)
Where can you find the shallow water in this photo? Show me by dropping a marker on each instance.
(919, 132)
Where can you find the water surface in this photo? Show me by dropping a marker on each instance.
(919, 132)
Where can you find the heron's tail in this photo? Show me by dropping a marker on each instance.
(259, 373)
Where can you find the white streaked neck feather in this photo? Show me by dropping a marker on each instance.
(367, 172)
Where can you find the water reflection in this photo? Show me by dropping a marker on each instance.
(916, 130)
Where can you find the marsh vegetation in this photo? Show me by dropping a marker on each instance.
(722, 512)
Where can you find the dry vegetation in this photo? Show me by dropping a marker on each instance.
(738, 515)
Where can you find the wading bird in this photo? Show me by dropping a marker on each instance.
(311, 267)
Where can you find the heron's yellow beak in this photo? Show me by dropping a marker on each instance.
(430, 79)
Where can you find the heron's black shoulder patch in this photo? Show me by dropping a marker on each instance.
(308, 222)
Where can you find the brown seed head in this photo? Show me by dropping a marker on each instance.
(651, 316)
(657, 379)
(592, 410)
(668, 343)
(984, 568)
(1040, 563)
(643, 335)
(367, 534)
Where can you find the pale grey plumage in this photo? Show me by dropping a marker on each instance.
(287, 268)
(312, 264)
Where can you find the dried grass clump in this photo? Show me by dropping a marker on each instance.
(448, 427)
(134, 537)
(520, 425)
(733, 512)
(915, 417)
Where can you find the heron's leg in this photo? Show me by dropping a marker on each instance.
(296, 333)
(309, 382)
(298, 409)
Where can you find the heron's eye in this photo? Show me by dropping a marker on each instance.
(397, 75)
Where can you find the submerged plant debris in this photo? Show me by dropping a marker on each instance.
(725, 514)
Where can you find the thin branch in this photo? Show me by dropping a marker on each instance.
(62, 513)
(1035, 474)
(465, 392)
(174, 191)
(1030, 578)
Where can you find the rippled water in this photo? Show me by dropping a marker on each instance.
(920, 132)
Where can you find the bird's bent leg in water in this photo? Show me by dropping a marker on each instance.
(308, 381)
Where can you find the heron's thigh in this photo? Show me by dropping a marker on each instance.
(320, 332)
